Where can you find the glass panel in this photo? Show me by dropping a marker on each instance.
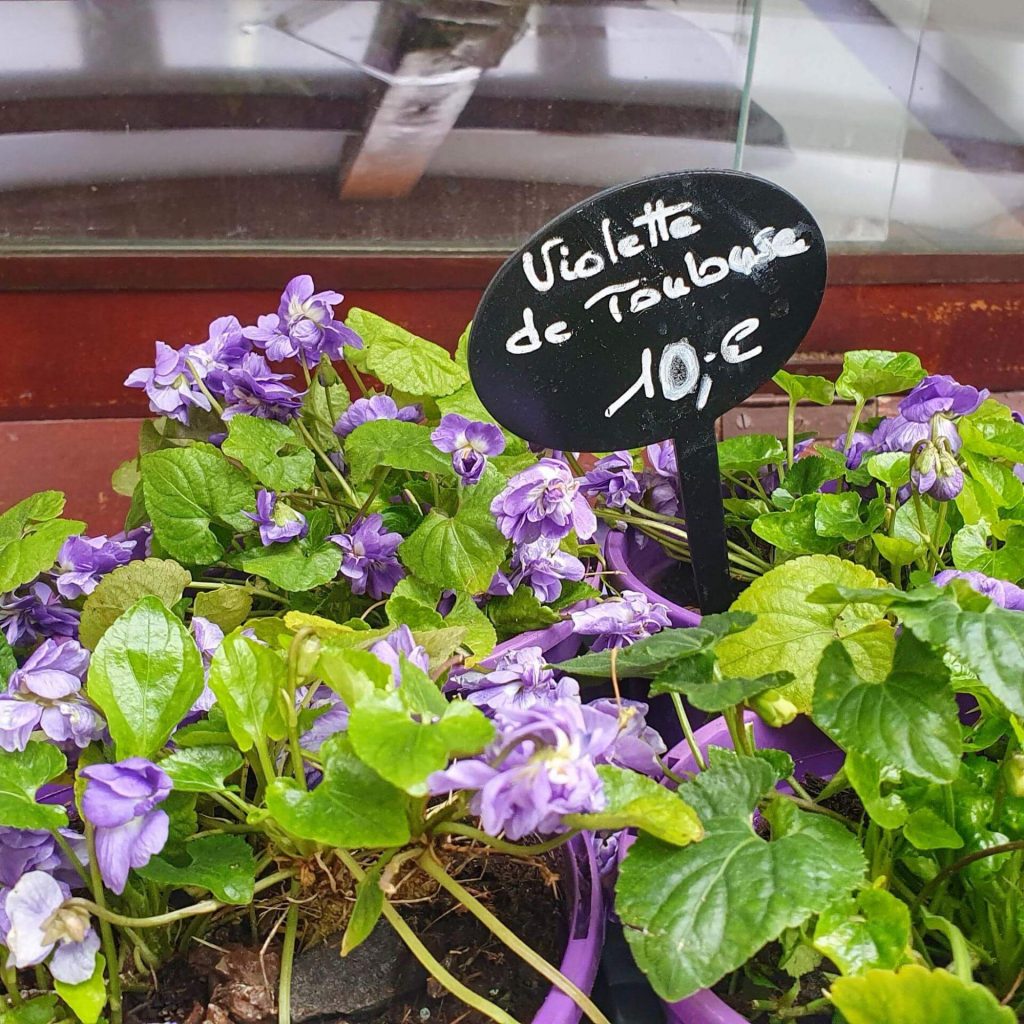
(462, 125)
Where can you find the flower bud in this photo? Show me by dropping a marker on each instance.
(1013, 774)
(307, 655)
(774, 708)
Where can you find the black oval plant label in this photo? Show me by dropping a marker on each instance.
(647, 311)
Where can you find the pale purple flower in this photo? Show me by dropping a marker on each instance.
(45, 693)
(120, 800)
(35, 611)
(518, 679)
(898, 434)
(208, 637)
(940, 393)
(376, 407)
(332, 719)
(500, 585)
(633, 743)
(861, 445)
(39, 924)
(224, 348)
(169, 384)
(469, 442)
(620, 621)
(1002, 592)
(304, 324)
(397, 645)
(613, 479)
(277, 521)
(369, 561)
(251, 387)
(24, 849)
(542, 566)
(543, 501)
(539, 768)
(935, 471)
(82, 560)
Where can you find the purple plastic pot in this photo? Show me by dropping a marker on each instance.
(813, 753)
(641, 568)
(586, 932)
(559, 642)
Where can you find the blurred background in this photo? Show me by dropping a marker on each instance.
(462, 125)
(165, 162)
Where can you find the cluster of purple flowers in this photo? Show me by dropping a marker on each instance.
(226, 367)
(542, 764)
(36, 880)
(925, 427)
(38, 609)
(46, 693)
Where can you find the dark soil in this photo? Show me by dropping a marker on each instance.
(231, 983)
(763, 979)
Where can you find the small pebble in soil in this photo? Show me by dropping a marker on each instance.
(374, 974)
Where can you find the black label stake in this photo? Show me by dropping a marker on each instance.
(644, 313)
(697, 459)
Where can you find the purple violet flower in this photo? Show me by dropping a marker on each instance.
(542, 566)
(332, 720)
(546, 771)
(252, 387)
(618, 622)
(898, 434)
(35, 611)
(208, 637)
(633, 744)
(24, 849)
(861, 445)
(39, 924)
(1001, 592)
(369, 559)
(376, 407)
(304, 325)
(169, 384)
(613, 478)
(469, 442)
(940, 394)
(277, 521)
(120, 801)
(518, 679)
(500, 585)
(543, 501)
(397, 645)
(82, 560)
(45, 693)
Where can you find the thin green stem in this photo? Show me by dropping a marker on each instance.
(379, 476)
(458, 828)
(217, 407)
(284, 988)
(429, 865)
(858, 409)
(433, 966)
(311, 441)
(691, 739)
(790, 432)
(10, 980)
(294, 743)
(73, 859)
(959, 865)
(106, 932)
(221, 584)
(108, 917)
